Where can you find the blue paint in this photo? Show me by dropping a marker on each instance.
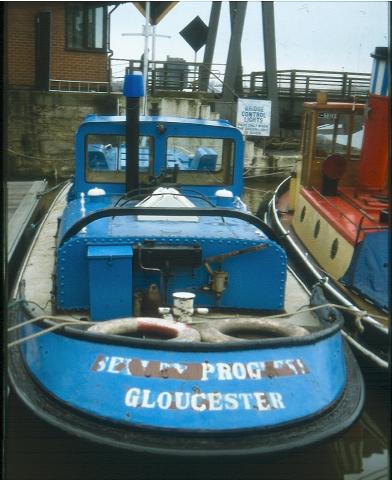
(173, 127)
(234, 403)
(102, 267)
(110, 281)
(249, 275)
(133, 86)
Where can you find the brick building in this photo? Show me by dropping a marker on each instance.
(56, 72)
(51, 41)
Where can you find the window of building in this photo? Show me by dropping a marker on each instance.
(86, 27)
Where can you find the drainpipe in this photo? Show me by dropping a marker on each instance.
(111, 53)
(133, 90)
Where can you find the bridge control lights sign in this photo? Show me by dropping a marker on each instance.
(254, 117)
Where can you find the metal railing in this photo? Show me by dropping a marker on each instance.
(78, 86)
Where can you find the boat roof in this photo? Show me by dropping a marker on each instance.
(93, 118)
(333, 106)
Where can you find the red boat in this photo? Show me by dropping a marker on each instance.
(333, 212)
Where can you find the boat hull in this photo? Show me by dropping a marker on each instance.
(370, 339)
(302, 392)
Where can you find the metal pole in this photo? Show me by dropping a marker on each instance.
(153, 46)
(133, 90)
(267, 9)
(145, 57)
(234, 53)
(204, 74)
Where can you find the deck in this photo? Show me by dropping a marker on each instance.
(22, 207)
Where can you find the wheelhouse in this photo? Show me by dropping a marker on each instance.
(331, 129)
(206, 155)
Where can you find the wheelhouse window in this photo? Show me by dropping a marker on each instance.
(86, 27)
(105, 158)
(339, 133)
(201, 161)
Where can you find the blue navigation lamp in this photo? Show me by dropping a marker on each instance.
(133, 90)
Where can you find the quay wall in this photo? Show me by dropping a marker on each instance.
(41, 127)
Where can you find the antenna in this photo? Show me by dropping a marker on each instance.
(147, 32)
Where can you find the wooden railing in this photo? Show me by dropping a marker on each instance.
(306, 83)
(178, 75)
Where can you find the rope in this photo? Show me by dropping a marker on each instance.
(66, 321)
(35, 158)
(45, 192)
(45, 317)
(359, 315)
(43, 332)
(257, 190)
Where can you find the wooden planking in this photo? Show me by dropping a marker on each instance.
(22, 202)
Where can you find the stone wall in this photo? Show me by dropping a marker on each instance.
(41, 128)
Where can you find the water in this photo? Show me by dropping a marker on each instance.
(35, 450)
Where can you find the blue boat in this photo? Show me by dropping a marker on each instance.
(155, 313)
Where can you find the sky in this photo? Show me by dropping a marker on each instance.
(329, 35)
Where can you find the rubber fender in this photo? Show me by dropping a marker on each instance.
(173, 331)
(219, 330)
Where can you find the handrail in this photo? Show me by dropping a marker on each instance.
(332, 205)
(159, 211)
(358, 228)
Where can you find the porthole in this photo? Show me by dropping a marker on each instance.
(316, 229)
(334, 248)
(302, 216)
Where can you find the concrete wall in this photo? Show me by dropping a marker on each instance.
(41, 128)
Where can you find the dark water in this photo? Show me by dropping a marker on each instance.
(37, 451)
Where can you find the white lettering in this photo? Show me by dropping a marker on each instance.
(208, 368)
(199, 407)
(115, 362)
(239, 371)
(292, 366)
(200, 402)
(245, 398)
(254, 370)
(145, 400)
(262, 401)
(278, 364)
(301, 366)
(100, 363)
(132, 397)
(231, 402)
(224, 371)
(164, 400)
(179, 404)
(215, 401)
(220, 370)
(276, 400)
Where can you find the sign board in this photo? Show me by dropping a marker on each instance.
(195, 33)
(157, 10)
(254, 117)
